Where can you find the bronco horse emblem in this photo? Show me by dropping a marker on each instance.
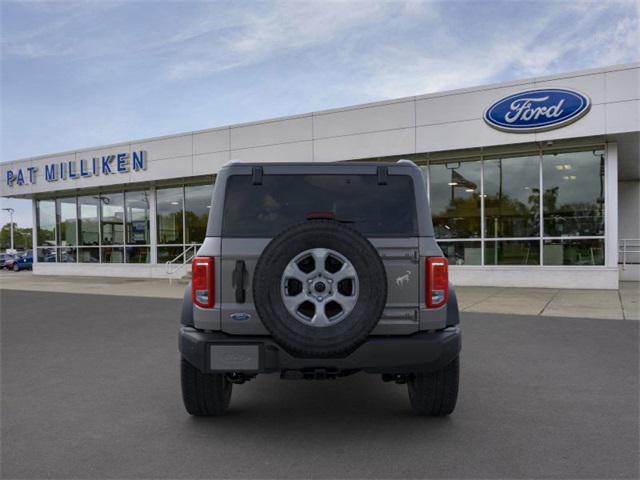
(402, 280)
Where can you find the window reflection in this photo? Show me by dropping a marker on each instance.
(196, 211)
(46, 255)
(462, 253)
(512, 252)
(455, 199)
(574, 252)
(137, 218)
(88, 228)
(112, 218)
(89, 255)
(512, 197)
(67, 213)
(46, 218)
(573, 198)
(169, 206)
(137, 254)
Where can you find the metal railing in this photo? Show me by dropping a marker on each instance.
(180, 261)
(628, 247)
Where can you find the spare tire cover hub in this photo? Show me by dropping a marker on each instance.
(319, 287)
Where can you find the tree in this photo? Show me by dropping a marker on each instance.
(21, 237)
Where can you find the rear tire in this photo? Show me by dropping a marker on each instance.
(204, 394)
(16, 268)
(435, 394)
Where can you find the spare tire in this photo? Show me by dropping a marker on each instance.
(319, 287)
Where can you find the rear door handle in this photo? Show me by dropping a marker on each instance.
(238, 281)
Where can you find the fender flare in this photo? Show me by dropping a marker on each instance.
(453, 314)
(186, 316)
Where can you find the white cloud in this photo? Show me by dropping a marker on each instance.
(529, 47)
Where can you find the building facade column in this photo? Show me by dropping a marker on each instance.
(153, 225)
(34, 230)
(611, 205)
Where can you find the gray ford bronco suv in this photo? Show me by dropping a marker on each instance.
(316, 271)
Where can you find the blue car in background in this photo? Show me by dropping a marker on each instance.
(23, 262)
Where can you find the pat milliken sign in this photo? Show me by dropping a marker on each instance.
(117, 163)
(537, 110)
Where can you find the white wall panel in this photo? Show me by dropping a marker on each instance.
(100, 152)
(535, 277)
(592, 85)
(392, 142)
(469, 134)
(166, 168)
(211, 141)
(286, 152)
(361, 120)
(270, 133)
(623, 85)
(593, 123)
(166, 147)
(209, 163)
(456, 108)
(623, 117)
(629, 209)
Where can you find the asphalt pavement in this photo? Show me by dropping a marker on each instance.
(90, 389)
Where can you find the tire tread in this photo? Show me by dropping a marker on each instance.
(204, 394)
(435, 393)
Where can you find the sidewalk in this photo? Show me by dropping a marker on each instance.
(623, 304)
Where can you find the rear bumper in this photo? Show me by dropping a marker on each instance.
(219, 352)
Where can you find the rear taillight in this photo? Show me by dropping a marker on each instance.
(203, 282)
(437, 285)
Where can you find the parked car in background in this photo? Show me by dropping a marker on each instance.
(23, 262)
(7, 260)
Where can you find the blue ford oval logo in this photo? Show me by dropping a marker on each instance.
(240, 316)
(537, 110)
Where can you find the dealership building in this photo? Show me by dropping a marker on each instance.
(534, 182)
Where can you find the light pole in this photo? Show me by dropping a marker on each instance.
(11, 212)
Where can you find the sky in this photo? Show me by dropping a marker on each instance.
(87, 73)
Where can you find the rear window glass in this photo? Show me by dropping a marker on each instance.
(284, 200)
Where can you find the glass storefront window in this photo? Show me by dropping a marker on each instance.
(112, 218)
(169, 218)
(512, 252)
(197, 200)
(47, 254)
(67, 254)
(112, 254)
(67, 221)
(573, 198)
(512, 197)
(573, 252)
(455, 199)
(46, 217)
(462, 253)
(137, 218)
(88, 227)
(89, 255)
(137, 254)
(166, 254)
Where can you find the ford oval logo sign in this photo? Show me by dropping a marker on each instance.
(537, 110)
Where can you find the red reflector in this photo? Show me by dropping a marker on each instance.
(202, 281)
(437, 285)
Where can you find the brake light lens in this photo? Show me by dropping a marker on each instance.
(203, 281)
(437, 286)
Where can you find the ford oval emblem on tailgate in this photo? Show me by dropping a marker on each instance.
(240, 316)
